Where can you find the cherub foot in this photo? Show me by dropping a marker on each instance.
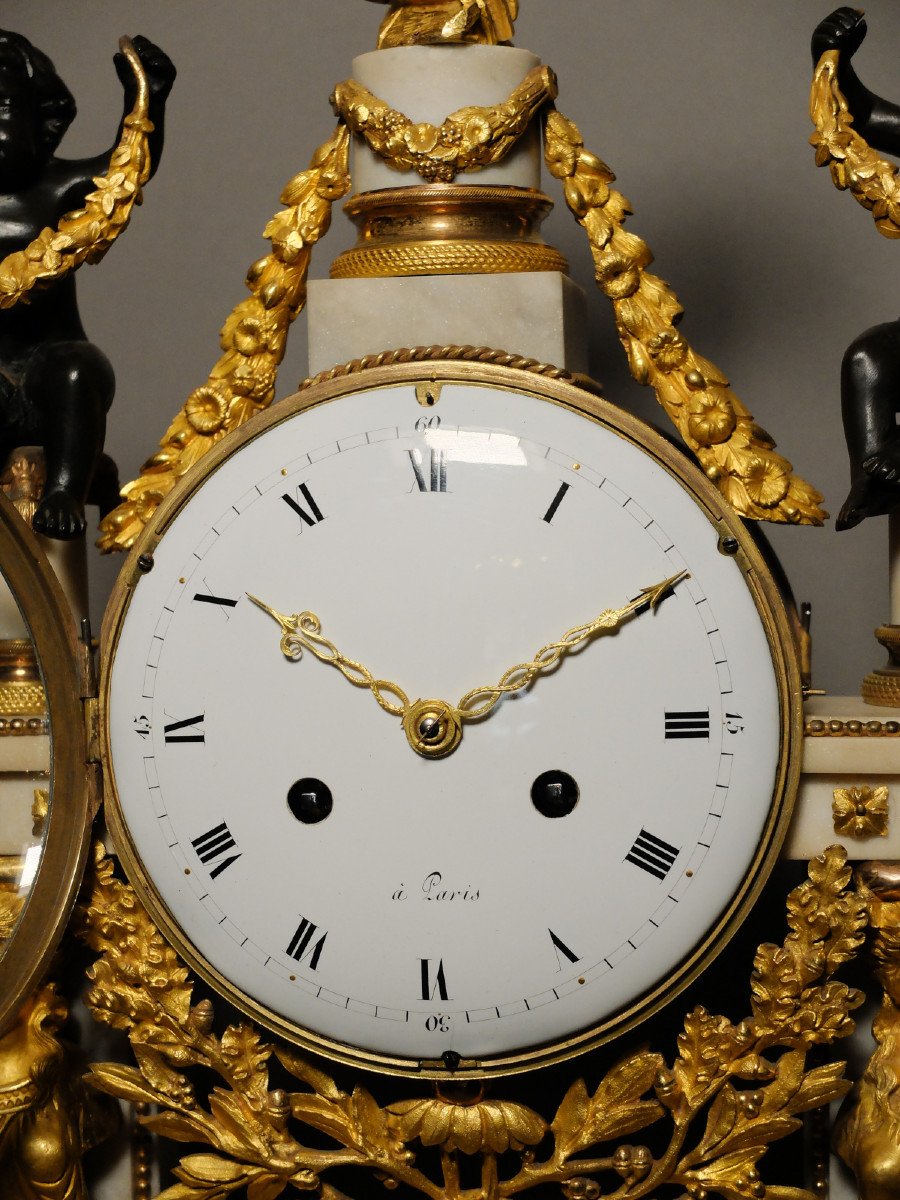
(868, 498)
(59, 516)
(884, 467)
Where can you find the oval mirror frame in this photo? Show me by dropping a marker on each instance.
(30, 578)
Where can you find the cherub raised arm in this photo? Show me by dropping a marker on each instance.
(55, 385)
(875, 119)
(870, 375)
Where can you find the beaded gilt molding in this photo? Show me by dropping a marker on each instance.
(714, 1107)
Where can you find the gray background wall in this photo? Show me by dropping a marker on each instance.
(701, 109)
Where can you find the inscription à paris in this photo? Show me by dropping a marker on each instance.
(433, 888)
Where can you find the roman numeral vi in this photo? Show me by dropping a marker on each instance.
(436, 987)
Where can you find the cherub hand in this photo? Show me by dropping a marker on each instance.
(158, 67)
(844, 30)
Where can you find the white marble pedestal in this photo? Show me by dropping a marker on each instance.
(538, 315)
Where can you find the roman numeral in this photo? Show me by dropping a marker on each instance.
(439, 987)
(436, 478)
(213, 845)
(301, 944)
(557, 501)
(652, 854)
(310, 518)
(562, 950)
(196, 735)
(223, 603)
(687, 725)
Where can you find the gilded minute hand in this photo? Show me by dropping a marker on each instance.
(303, 631)
(480, 701)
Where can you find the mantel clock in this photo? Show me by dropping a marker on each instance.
(451, 718)
(344, 806)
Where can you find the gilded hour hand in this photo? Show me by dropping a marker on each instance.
(303, 631)
(433, 728)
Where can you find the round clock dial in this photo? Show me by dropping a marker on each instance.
(552, 873)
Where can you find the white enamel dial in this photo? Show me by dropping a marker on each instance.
(387, 906)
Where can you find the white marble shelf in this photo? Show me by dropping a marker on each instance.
(845, 760)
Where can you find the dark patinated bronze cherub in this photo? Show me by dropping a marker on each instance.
(55, 385)
(870, 375)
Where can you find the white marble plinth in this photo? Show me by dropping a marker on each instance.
(840, 762)
(68, 560)
(538, 315)
(428, 83)
(69, 563)
(24, 753)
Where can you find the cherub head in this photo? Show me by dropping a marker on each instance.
(36, 109)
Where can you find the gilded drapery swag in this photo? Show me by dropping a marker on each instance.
(468, 140)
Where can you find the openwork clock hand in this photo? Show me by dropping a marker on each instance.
(303, 631)
(480, 701)
(434, 728)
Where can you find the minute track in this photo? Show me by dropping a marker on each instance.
(468, 583)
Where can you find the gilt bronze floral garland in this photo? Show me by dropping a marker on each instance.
(86, 234)
(729, 1091)
(254, 338)
(855, 166)
(736, 454)
(468, 140)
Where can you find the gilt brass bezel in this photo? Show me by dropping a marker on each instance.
(40, 927)
(759, 580)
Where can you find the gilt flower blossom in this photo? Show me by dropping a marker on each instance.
(421, 139)
(618, 276)
(477, 131)
(249, 336)
(766, 481)
(205, 410)
(493, 1126)
(668, 349)
(711, 419)
(860, 812)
